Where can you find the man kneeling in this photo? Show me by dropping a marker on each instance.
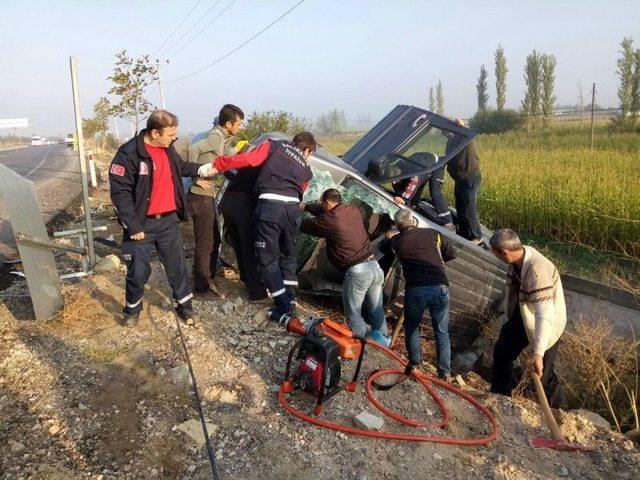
(348, 249)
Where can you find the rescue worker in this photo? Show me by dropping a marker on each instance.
(147, 194)
(349, 250)
(423, 253)
(201, 199)
(284, 176)
(238, 206)
(535, 316)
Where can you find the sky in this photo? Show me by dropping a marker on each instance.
(361, 56)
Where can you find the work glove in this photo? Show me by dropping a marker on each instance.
(207, 170)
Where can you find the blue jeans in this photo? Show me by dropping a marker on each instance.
(416, 301)
(362, 284)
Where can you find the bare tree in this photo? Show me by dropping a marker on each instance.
(580, 101)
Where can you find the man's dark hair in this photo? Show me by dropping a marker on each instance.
(304, 140)
(331, 195)
(160, 119)
(229, 113)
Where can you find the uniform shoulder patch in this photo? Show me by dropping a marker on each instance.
(117, 170)
(144, 169)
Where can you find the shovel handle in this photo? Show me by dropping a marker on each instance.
(544, 404)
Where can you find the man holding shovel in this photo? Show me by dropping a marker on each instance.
(535, 316)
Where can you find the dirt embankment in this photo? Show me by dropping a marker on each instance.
(83, 397)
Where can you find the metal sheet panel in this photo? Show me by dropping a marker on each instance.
(21, 203)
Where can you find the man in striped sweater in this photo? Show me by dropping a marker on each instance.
(535, 317)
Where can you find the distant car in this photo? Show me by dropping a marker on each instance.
(392, 150)
(60, 141)
(70, 140)
(36, 141)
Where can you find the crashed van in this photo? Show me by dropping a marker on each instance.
(409, 141)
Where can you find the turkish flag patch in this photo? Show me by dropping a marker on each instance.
(117, 170)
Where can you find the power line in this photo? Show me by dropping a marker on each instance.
(203, 29)
(176, 29)
(190, 28)
(239, 46)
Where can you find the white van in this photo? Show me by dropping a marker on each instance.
(36, 141)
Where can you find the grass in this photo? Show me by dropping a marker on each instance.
(581, 207)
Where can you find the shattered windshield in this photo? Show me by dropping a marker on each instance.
(350, 189)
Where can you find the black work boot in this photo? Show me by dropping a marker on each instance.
(186, 314)
(130, 319)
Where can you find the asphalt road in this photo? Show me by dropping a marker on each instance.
(55, 171)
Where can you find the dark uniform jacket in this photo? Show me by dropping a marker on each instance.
(465, 164)
(343, 227)
(422, 253)
(131, 181)
(284, 170)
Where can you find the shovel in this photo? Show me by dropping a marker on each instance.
(557, 441)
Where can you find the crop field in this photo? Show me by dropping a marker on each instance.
(549, 186)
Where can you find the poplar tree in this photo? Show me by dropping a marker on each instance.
(432, 100)
(533, 82)
(548, 66)
(439, 99)
(501, 78)
(481, 89)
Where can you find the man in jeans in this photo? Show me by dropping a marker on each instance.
(348, 249)
(201, 195)
(422, 252)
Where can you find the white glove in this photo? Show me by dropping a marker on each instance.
(207, 170)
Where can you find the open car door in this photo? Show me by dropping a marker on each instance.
(408, 141)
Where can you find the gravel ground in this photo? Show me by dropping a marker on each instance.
(83, 397)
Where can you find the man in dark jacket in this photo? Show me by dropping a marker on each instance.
(348, 249)
(283, 177)
(422, 253)
(147, 194)
(464, 168)
(238, 205)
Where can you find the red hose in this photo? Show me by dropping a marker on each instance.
(424, 381)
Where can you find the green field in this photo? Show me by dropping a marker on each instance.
(580, 206)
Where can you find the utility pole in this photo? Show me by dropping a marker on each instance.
(83, 165)
(162, 102)
(593, 103)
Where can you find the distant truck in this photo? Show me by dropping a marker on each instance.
(36, 141)
(69, 140)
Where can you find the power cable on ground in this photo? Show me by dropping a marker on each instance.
(196, 392)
